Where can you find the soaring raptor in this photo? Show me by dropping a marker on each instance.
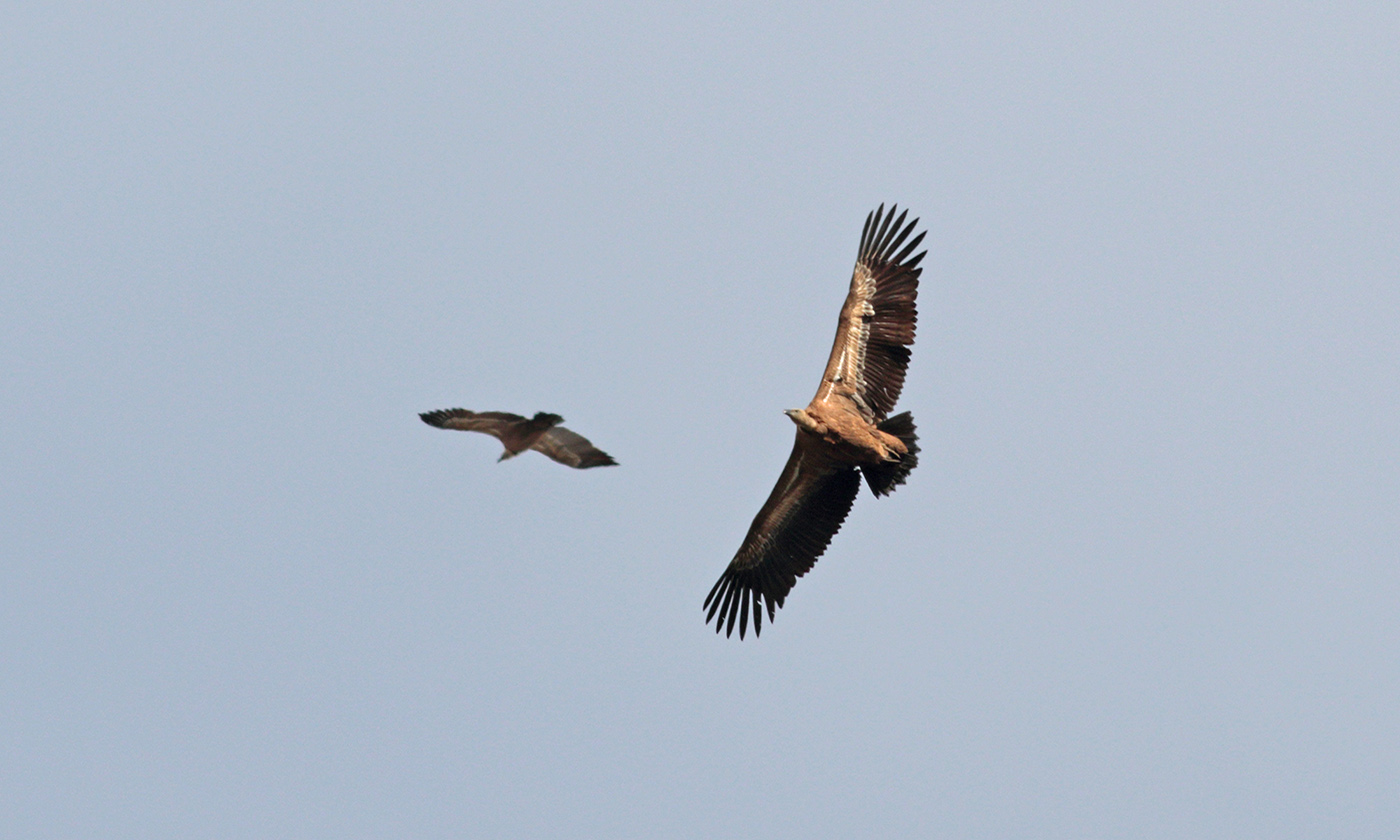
(541, 433)
(843, 433)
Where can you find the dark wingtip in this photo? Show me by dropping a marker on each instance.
(437, 418)
(732, 602)
(601, 459)
(884, 233)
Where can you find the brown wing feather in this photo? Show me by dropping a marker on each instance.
(793, 528)
(871, 352)
(494, 423)
(572, 449)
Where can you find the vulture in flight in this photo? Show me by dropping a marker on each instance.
(541, 433)
(846, 431)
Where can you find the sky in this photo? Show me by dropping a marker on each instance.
(1142, 584)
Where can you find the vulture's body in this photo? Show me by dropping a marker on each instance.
(517, 434)
(846, 431)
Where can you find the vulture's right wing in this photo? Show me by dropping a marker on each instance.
(794, 527)
(572, 449)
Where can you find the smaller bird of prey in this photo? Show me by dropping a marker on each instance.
(845, 431)
(541, 433)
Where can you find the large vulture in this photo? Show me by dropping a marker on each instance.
(844, 432)
(541, 433)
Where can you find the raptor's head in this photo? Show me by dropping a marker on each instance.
(803, 419)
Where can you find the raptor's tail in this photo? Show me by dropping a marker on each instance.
(884, 478)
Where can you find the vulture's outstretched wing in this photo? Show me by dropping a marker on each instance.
(794, 527)
(572, 449)
(494, 423)
(871, 351)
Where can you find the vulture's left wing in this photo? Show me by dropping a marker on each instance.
(495, 423)
(871, 351)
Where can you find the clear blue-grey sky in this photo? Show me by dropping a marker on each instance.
(1143, 584)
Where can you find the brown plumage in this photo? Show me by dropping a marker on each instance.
(541, 433)
(845, 431)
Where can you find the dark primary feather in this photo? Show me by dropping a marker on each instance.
(793, 529)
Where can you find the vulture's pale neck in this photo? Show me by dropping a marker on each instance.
(804, 420)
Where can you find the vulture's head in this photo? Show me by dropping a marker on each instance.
(804, 420)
